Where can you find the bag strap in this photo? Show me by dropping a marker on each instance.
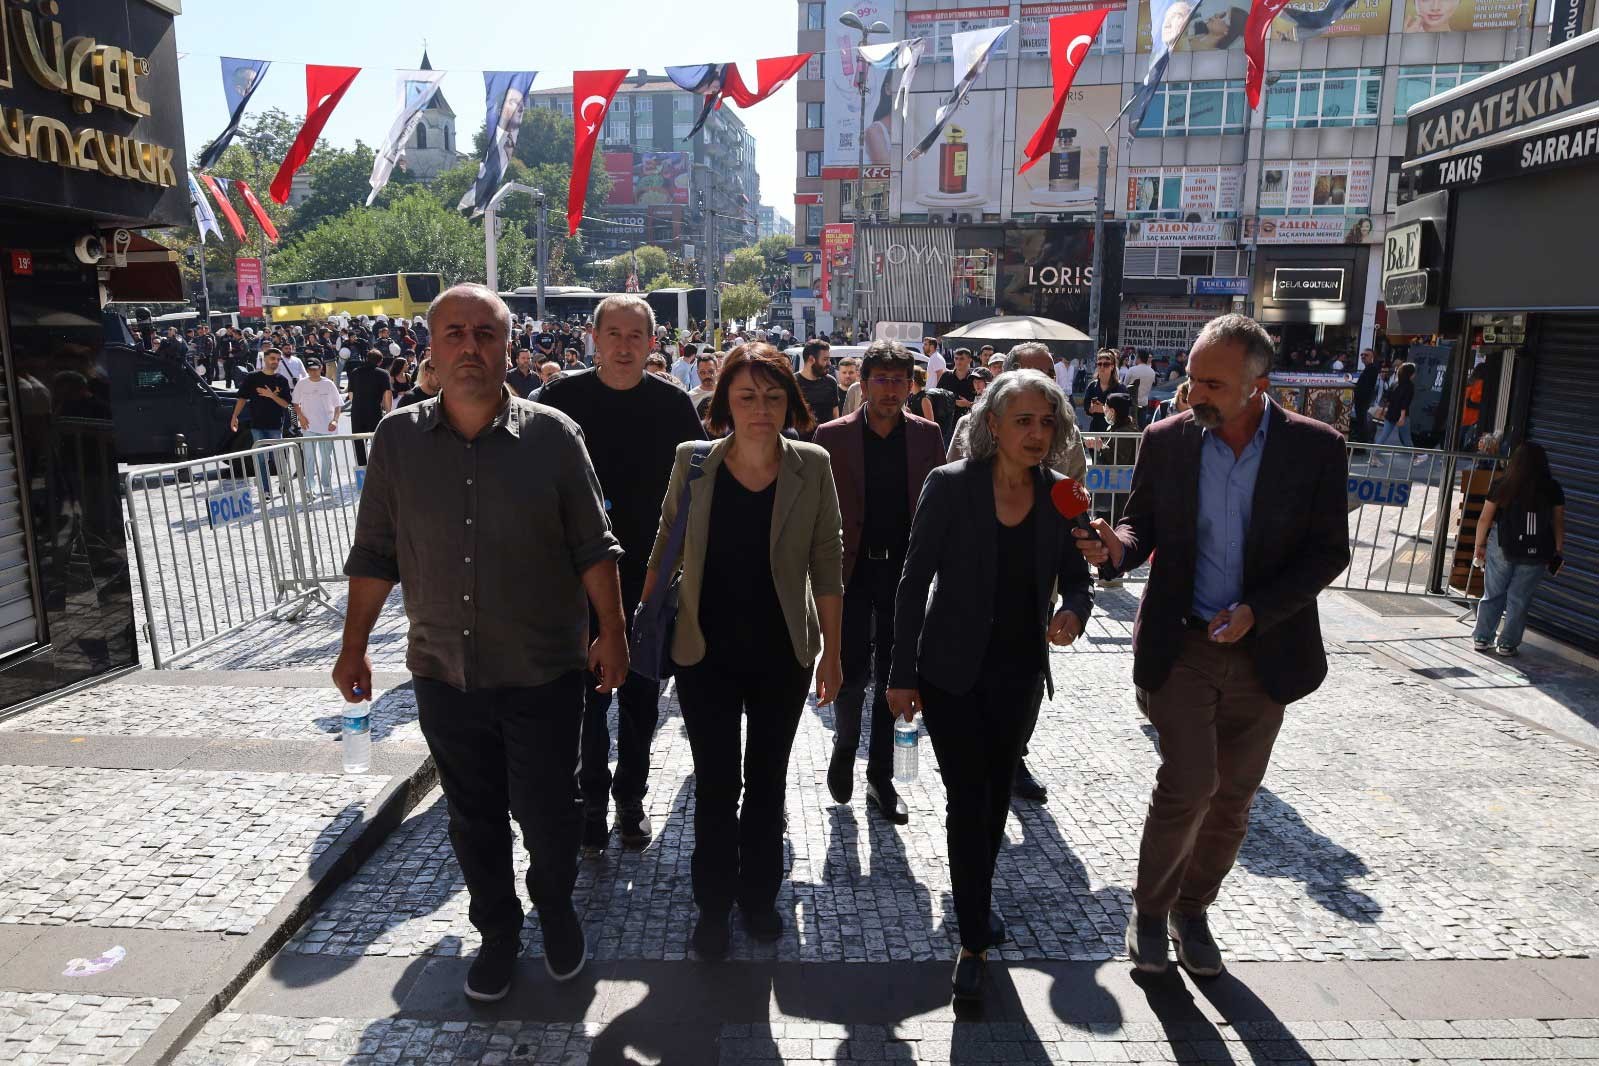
(674, 538)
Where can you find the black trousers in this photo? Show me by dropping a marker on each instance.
(866, 649)
(509, 750)
(978, 739)
(360, 425)
(637, 712)
(738, 852)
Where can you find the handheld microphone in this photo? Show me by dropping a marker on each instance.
(1072, 501)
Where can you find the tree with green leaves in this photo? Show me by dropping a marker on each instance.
(747, 265)
(744, 302)
(775, 248)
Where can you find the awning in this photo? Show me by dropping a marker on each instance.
(1561, 140)
(151, 274)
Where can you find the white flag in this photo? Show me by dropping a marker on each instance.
(205, 219)
(903, 56)
(972, 50)
(417, 89)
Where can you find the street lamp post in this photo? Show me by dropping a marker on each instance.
(851, 20)
(491, 237)
(1260, 173)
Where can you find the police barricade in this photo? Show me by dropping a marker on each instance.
(209, 545)
(328, 472)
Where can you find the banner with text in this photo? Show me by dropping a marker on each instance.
(252, 293)
(1151, 232)
(1461, 16)
(1365, 18)
(1218, 26)
(1034, 28)
(1315, 183)
(939, 27)
(1323, 229)
(1200, 193)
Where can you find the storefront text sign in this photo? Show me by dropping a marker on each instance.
(1308, 283)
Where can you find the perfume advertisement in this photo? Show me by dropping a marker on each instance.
(1217, 27)
(1065, 182)
(960, 178)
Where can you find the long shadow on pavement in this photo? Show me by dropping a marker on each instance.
(1280, 844)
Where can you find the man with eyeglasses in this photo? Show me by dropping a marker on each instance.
(881, 456)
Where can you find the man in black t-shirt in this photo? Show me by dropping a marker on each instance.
(265, 393)
(960, 381)
(632, 423)
(524, 376)
(371, 397)
(819, 388)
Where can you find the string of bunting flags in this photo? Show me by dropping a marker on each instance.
(1071, 36)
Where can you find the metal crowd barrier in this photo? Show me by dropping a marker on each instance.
(214, 556)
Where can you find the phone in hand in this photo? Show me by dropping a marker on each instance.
(1555, 564)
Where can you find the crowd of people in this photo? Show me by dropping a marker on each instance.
(800, 539)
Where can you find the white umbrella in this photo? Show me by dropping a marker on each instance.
(1017, 328)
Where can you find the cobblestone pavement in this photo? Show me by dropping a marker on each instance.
(1397, 822)
(232, 1039)
(171, 849)
(57, 1029)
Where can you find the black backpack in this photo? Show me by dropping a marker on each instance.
(945, 413)
(1526, 535)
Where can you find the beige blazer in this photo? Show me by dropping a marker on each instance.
(807, 548)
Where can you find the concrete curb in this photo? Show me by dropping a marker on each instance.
(254, 950)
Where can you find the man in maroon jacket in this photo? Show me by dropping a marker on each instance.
(881, 455)
(1245, 503)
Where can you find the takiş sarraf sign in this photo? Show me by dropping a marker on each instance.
(1299, 284)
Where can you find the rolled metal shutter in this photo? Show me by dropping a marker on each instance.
(19, 624)
(1565, 383)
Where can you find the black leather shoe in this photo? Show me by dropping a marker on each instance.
(885, 801)
(566, 946)
(1027, 787)
(841, 775)
(489, 979)
(711, 937)
(763, 923)
(967, 984)
(596, 834)
(633, 825)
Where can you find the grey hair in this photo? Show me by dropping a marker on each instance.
(996, 399)
(1259, 348)
(476, 291)
(1014, 356)
(624, 301)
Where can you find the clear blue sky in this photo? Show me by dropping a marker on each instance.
(467, 36)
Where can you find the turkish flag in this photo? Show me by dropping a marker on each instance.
(258, 211)
(592, 92)
(1262, 13)
(219, 190)
(324, 88)
(770, 76)
(1070, 37)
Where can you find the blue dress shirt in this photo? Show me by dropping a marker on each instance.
(1226, 499)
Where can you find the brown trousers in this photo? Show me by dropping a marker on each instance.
(1216, 726)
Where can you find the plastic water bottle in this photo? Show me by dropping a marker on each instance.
(357, 737)
(906, 735)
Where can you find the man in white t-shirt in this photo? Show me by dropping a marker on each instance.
(317, 404)
(1065, 374)
(935, 360)
(1140, 381)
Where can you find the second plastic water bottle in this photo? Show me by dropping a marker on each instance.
(357, 737)
(906, 735)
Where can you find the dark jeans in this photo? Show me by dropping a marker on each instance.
(637, 711)
(509, 750)
(738, 853)
(866, 649)
(978, 738)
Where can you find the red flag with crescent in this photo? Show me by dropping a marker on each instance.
(1070, 37)
(1262, 13)
(592, 92)
(324, 88)
(220, 193)
(257, 210)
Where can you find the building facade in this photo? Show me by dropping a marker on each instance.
(666, 190)
(431, 148)
(1207, 203)
(773, 224)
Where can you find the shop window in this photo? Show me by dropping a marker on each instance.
(1313, 99)
(974, 275)
(1416, 84)
(1195, 108)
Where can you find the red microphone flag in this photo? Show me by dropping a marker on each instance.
(1262, 13)
(1069, 39)
(592, 92)
(258, 211)
(223, 204)
(324, 88)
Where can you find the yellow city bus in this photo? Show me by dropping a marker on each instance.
(394, 295)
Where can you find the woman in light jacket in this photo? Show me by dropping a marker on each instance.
(989, 542)
(761, 597)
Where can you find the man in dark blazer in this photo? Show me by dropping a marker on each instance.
(1241, 505)
(881, 456)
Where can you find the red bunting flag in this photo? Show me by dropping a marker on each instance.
(592, 92)
(770, 76)
(1070, 37)
(1261, 15)
(258, 211)
(324, 88)
(220, 195)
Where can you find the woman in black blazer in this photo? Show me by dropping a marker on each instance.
(987, 530)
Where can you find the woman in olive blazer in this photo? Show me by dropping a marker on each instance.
(761, 598)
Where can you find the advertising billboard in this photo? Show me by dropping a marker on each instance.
(841, 101)
(1034, 29)
(1445, 16)
(247, 272)
(1217, 27)
(619, 168)
(1048, 271)
(939, 27)
(1322, 229)
(962, 175)
(1365, 18)
(1065, 182)
(1199, 193)
(661, 178)
(1316, 183)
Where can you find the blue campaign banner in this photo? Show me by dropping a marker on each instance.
(1109, 479)
(1221, 286)
(224, 507)
(1383, 492)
